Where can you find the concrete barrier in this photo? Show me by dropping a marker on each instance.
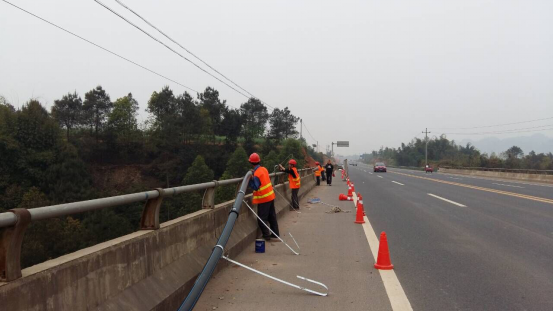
(541, 178)
(145, 270)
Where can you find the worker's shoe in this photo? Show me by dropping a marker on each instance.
(274, 238)
(267, 238)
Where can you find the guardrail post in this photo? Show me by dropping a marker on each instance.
(208, 202)
(10, 247)
(150, 213)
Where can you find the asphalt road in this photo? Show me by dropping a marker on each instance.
(490, 247)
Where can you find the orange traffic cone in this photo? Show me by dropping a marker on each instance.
(383, 261)
(360, 203)
(359, 216)
(342, 197)
(350, 192)
(349, 198)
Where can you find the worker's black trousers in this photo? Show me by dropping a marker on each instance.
(266, 212)
(318, 180)
(295, 200)
(328, 178)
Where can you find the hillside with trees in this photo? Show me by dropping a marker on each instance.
(445, 152)
(93, 146)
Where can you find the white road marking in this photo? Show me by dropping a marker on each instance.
(395, 292)
(370, 173)
(508, 185)
(502, 180)
(380, 176)
(455, 178)
(395, 182)
(452, 202)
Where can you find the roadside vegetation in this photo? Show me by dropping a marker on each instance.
(445, 152)
(93, 146)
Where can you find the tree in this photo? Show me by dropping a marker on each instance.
(68, 111)
(96, 108)
(255, 117)
(51, 238)
(37, 138)
(270, 160)
(291, 149)
(197, 173)
(189, 118)
(231, 125)
(282, 124)
(512, 157)
(162, 106)
(209, 100)
(122, 122)
(237, 166)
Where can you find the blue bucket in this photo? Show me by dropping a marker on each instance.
(260, 246)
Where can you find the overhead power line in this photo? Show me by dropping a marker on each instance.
(308, 131)
(98, 46)
(180, 45)
(519, 130)
(169, 48)
(488, 126)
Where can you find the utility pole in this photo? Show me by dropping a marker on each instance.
(301, 128)
(426, 132)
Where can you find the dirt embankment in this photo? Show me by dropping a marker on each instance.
(120, 178)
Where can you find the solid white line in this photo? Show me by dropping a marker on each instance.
(508, 185)
(502, 180)
(380, 176)
(452, 202)
(395, 292)
(395, 182)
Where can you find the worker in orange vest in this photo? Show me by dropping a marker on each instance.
(264, 197)
(294, 182)
(318, 170)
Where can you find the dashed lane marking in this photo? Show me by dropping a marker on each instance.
(444, 199)
(380, 176)
(395, 182)
(395, 292)
(507, 185)
(512, 194)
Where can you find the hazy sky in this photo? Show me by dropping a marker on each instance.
(371, 72)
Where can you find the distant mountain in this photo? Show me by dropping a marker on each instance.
(537, 142)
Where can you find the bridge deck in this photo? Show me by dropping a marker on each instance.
(334, 251)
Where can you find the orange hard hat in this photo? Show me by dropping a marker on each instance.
(254, 158)
(293, 162)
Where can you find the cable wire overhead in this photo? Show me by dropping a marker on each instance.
(488, 126)
(182, 47)
(98, 46)
(519, 130)
(168, 47)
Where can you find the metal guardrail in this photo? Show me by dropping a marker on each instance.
(14, 222)
(506, 170)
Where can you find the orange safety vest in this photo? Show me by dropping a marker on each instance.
(265, 192)
(318, 170)
(295, 183)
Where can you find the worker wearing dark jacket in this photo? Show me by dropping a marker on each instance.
(294, 182)
(329, 172)
(264, 197)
